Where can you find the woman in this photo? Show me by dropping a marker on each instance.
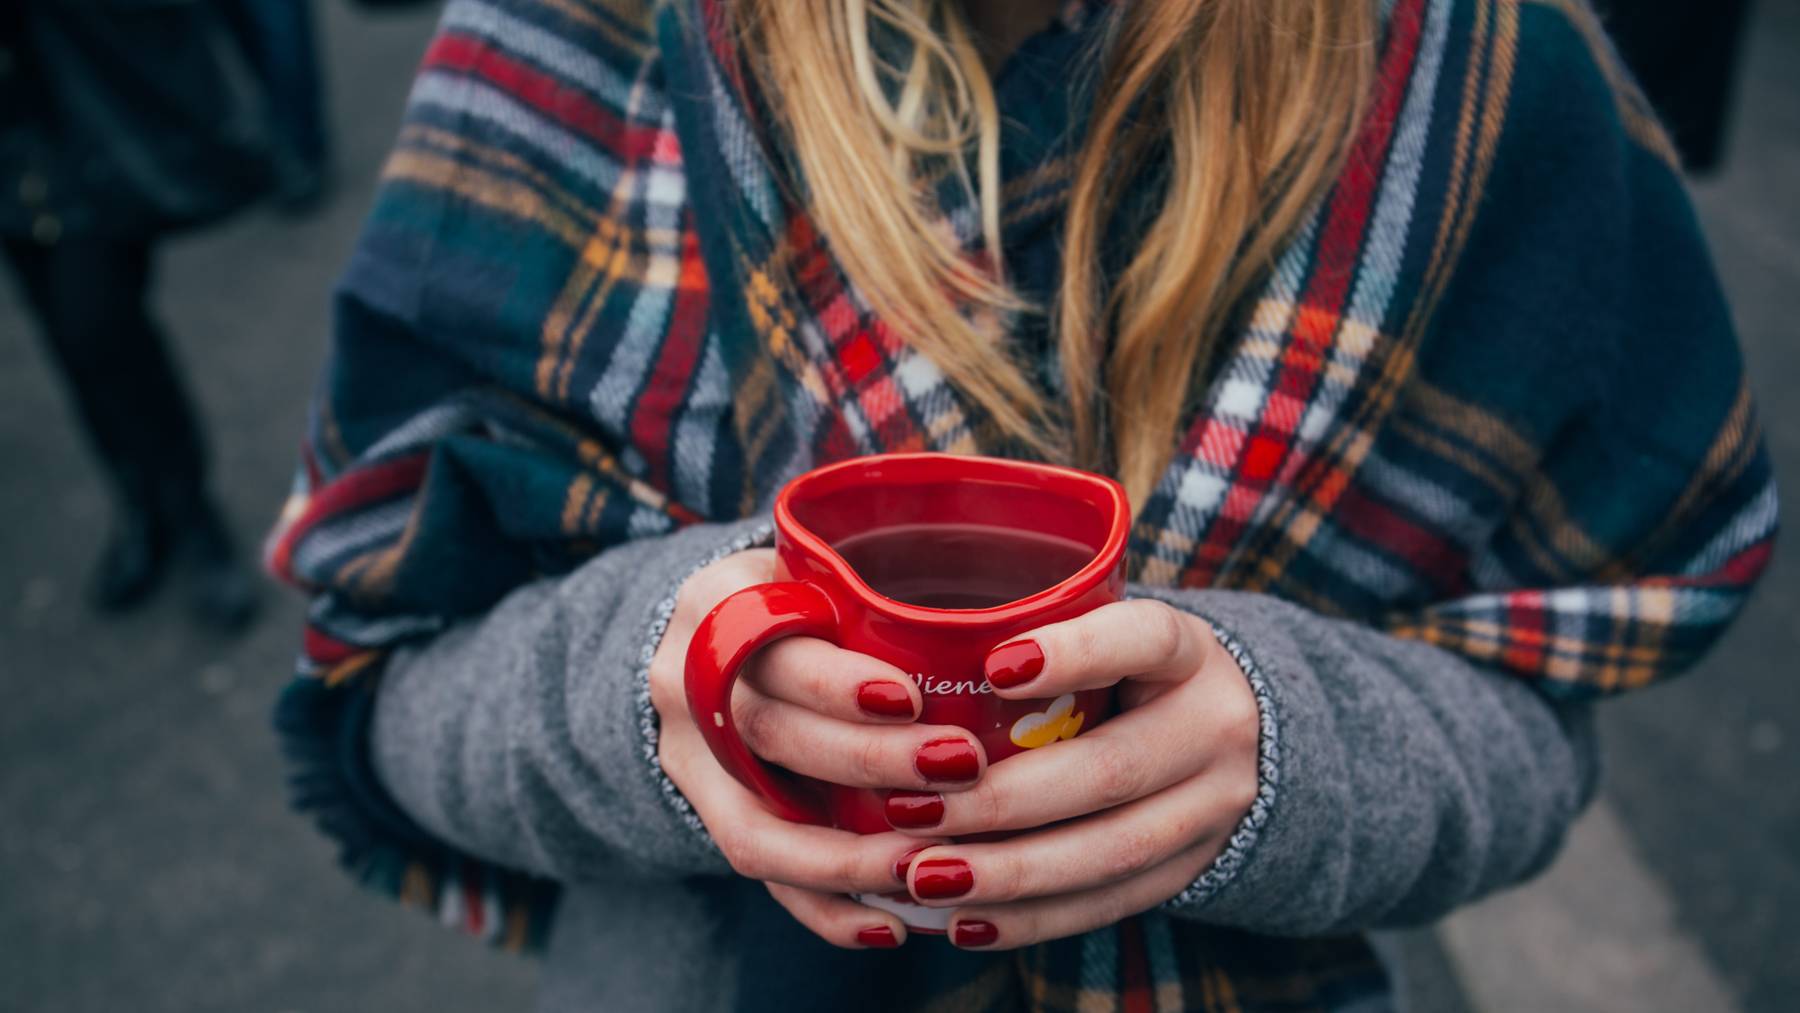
(1392, 318)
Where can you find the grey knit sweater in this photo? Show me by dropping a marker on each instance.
(1398, 781)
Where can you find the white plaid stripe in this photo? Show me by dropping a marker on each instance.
(693, 443)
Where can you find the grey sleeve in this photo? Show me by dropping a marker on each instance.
(525, 737)
(1398, 780)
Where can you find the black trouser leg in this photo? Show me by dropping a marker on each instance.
(91, 299)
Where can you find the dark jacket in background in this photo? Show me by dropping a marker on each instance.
(123, 118)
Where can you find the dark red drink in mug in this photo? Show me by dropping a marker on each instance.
(926, 561)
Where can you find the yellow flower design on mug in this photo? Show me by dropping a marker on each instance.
(1060, 721)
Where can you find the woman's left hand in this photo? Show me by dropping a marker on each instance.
(1131, 812)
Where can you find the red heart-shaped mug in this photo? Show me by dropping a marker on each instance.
(925, 561)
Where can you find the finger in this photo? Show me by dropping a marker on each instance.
(715, 581)
(1086, 854)
(1140, 639)
(823, 677)
(1008, 926)
(761, 845)
(938, 757)
(839, 920)
(1133, 755)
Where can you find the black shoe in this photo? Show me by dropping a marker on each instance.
(132, 563)
(221, 590)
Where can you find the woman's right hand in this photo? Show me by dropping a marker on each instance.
(817, 710)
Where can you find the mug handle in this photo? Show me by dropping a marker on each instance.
(736, 628)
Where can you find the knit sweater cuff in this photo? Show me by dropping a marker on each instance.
(1268, 779)
(649, 722)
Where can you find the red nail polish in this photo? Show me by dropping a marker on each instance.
(904, 864)
(973, 933)
(879, 937)
(943, 878)
(947, 760)
(1014, 664)
(912, 810)
(884, 700)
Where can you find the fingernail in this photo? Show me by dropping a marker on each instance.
(974, 933)
(879, 937)
(904, 864)
(912, 810)
(884, 699)
(943, 878)
(951, 759)
(1014, 664)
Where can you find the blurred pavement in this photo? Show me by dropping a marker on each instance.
(148, 859)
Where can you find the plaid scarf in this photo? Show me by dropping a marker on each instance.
(1487, 398)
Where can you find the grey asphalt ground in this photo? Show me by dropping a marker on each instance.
(147, 857)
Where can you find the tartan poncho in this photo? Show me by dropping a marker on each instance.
(1488, 397)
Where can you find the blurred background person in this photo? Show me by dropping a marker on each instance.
(277, 38)
(119, 126)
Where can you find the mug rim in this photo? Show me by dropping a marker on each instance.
(1102, 490)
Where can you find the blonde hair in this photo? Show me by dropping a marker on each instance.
(1255, 103)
